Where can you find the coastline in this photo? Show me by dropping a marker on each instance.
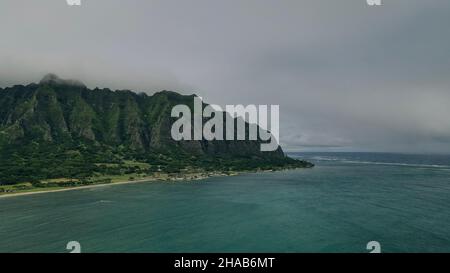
(16, 194)
(184, 178)
(187, 177)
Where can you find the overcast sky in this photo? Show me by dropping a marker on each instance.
(347, 77)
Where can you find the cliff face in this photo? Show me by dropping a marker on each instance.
(61, 111)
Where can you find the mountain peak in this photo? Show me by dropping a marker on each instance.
(54, 79)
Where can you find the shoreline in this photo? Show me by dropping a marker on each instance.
(195, 177)
(185, 178)
(73, 188)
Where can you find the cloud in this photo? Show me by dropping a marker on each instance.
(346, 76)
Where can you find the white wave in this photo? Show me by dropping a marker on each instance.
(383, 163)
(326, 158)
(397, 164)
(352, 161)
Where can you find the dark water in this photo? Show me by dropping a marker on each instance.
(347, 200)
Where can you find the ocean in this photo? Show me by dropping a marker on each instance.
(345, 201)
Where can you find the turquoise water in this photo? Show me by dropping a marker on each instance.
(347, 200)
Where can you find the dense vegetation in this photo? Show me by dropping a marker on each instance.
(62, 130)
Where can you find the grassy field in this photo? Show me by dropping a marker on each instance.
(62, 183)
(100, 179)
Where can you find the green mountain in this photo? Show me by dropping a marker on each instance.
(61, 129)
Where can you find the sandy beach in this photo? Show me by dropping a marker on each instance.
(190, 177)
(75, 188)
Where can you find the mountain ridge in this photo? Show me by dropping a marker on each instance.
(68, 116)
(68, 109)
